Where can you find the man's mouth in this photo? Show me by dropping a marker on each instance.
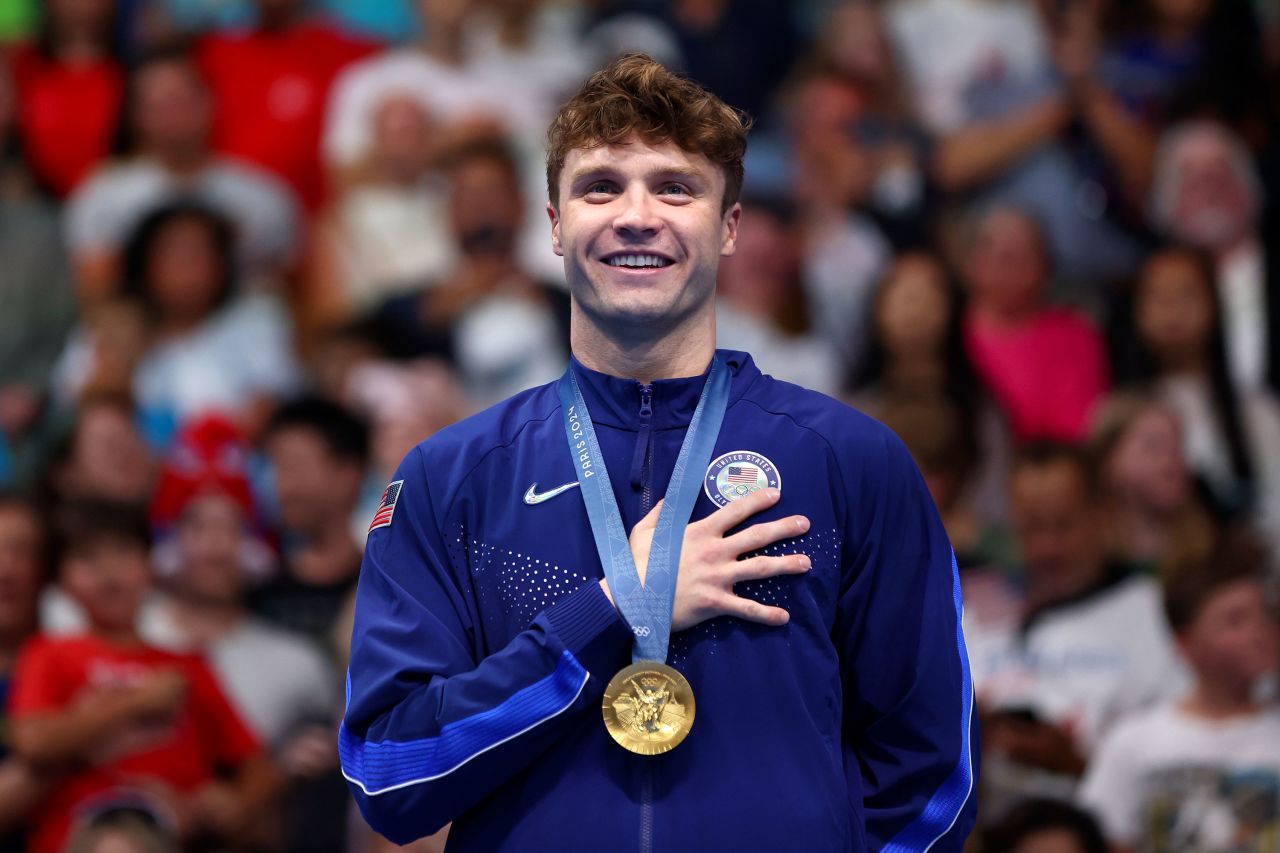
(637, 260)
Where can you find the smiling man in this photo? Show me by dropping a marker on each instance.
(592, 618)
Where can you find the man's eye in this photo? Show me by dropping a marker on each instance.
(599, 187)
(674, 189)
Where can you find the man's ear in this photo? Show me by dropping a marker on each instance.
(731, 219)
(555, 230)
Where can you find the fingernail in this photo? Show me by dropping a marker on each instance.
(802, 523)
(774, 493)
(806, 562)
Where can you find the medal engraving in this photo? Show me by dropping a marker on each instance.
(648, 708)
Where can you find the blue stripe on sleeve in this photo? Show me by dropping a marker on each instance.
(382, 766)
(946, 804)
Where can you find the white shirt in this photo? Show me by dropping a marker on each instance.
(392, 239)
(1242, 291)
(949, 46)
(105, 208)
(243, 351)
(1082, 665)
(1166, 780)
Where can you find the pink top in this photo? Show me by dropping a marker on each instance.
(1046, 374)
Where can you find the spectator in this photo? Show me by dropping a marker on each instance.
(1152, 511)
(844, 250)
(22, 557)
(1202, 774)
(1090, 643)
(37, 305)
(504, 330)
(103, 457)
(761, 306)
(209, 350)
(281, 685)
(276, 681)
(270, 88)
(1045, 366)
(432, 73)
(70, 88)
(1177, 344)
(986, 86)
(387, 229)
(915, 350)
(167, 122)
(119, 717)
(1045, 826)
(318, 452)
(1208, 195)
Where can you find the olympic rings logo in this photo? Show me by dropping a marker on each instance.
(641, 631)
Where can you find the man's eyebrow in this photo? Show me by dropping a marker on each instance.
(603, 170)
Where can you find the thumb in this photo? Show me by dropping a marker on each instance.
(650, 521)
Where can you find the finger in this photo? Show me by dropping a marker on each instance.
(650, 520)
(754, 611)
(728, 517)
(765, 533)
(758, 568)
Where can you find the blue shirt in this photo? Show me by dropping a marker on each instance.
(483, 643)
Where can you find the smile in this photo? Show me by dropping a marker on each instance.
(637, 261)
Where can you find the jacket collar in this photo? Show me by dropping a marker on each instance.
(615, 402)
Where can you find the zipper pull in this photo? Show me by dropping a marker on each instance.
(642, 439)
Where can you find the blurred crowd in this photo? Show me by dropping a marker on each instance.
(252, 251)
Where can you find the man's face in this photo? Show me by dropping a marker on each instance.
(109, 578)
(641, 233)
(315, 488)
(1212, 208)
(1057, 528)
(1006, 265)
(211, 538)
(174, 111)
(1235, 634)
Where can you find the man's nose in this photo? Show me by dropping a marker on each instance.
(638, 216)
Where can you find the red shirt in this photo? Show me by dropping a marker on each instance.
(183, 751)
(67, 115)
(1046, 374)
(271, 90)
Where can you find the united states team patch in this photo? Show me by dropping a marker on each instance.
(382, 518)
(736, 475)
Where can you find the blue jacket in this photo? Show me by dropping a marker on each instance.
(483, 643)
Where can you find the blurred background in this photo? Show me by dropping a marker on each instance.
(252, 251)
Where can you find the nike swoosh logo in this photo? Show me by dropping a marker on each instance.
(534, 497)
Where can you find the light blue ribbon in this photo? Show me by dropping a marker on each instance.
(647, 606)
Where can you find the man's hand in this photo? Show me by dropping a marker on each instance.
(709, 564)
(160, 694)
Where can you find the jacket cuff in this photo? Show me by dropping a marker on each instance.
(584, 615)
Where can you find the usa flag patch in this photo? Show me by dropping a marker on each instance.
(382, 518)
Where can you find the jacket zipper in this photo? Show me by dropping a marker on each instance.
(642, 478)
(642, 458)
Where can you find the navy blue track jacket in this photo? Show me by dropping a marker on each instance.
(483, 642)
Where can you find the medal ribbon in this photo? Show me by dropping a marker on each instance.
(647, 606)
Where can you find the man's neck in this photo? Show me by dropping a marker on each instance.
(684, 351)
(205, 621)
(1214, 700)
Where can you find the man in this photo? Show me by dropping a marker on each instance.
(166, 144)
(1091, 644)
(319, 452)
(833, 703)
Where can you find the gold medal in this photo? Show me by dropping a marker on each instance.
(648, 708)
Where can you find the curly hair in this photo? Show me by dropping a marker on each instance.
(636, 96)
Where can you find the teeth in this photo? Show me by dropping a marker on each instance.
(637, 261)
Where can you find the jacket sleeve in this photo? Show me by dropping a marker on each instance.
(432, 726)
(909, 725)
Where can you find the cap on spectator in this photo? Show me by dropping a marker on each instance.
(209, 455)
